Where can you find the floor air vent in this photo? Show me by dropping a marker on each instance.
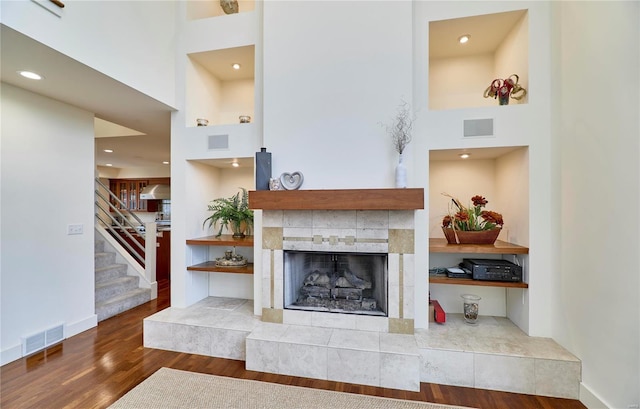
(41, 340)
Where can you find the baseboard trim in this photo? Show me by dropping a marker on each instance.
(590, 399)
(154, 290)
(10, 354)
(81, 326)
(14, 353)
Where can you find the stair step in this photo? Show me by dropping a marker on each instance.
(110, 272)
(113, 288)
(115, 291)
(122, 302)
(103, 259)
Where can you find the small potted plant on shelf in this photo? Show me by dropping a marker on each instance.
(471, 224)
(232, 213)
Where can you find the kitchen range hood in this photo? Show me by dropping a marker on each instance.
(156, 192)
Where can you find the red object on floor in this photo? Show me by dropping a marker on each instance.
(439, 314)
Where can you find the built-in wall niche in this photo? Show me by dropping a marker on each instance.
(198, 9)
(218, 92)
(459, 73)
(501, 175)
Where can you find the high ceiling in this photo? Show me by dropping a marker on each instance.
(138, 127)
(486, 34)
(73, 83)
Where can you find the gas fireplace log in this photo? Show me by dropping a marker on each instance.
(347, 293)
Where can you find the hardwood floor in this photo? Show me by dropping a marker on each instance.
(95, 368)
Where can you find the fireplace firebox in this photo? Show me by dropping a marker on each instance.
(348, 283)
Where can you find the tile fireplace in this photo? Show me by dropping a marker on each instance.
(352, 237)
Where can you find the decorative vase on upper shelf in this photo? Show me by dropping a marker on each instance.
(401, 173)
(400, 132)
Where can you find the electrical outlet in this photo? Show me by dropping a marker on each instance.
(74, 229)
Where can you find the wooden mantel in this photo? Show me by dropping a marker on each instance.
(341, 199)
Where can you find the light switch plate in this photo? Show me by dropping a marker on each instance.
(75, 229)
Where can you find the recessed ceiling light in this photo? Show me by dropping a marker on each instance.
(165, 162)
(108, 164)
(109, 150)
(31, 75)
(236, 66)
(235, 164)
(463, 39)
(464, 155)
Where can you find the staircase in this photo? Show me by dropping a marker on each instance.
(116, 291)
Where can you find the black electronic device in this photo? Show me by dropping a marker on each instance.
(455, 272)
(492, 269)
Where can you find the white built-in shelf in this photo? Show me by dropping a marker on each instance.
(222, 240)
(460, 73)
(201, 9)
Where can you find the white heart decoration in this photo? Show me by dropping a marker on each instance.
(291, 181)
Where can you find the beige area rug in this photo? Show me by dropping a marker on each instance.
(172, 388)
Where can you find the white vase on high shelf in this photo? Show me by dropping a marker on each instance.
(400, 132)
(401, 173)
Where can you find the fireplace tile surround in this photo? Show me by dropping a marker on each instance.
(348, 220)
(389, 232)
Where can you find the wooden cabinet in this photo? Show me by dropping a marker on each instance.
(225, 240)
(500, 247)
(163, 255)
(128, 191)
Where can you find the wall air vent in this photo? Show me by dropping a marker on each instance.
(218, 141)
(478, 127)
(41, 340)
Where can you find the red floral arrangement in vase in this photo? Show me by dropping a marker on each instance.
(471, 224)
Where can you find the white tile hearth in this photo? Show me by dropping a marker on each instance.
(495, 354)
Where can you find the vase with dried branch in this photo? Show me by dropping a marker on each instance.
(400, 132)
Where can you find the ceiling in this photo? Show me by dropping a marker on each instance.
(486, 31)
(76, 84)
(219, 62)
(138, 127)
(474, 153)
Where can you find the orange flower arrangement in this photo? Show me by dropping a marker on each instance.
(471, 218)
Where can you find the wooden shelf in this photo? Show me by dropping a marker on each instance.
(482, 283)
(341, 199)
(223, 240)
(499, 247)
(210, 266)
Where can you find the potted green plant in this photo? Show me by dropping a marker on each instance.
(232, 213)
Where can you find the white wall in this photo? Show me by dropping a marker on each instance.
(459, 82)
(512, 57)
(104, 34)
(203, 95)
(238, 99)
(598, 284)
(47, 183)
(332, 73)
